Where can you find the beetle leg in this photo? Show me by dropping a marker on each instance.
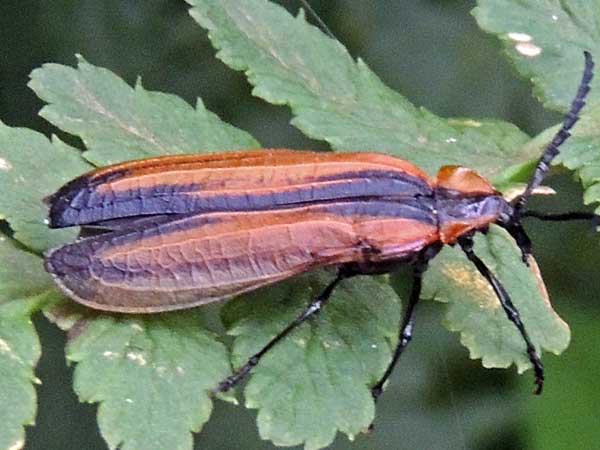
(313, 308)
(563, 217)
(520, 236)
(466, 243)
(406, 327)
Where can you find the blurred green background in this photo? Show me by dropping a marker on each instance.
(433, 53)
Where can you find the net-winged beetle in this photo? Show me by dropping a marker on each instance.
(180, 231)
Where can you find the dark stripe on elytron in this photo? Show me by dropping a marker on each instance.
(420, 209)
(61, 201)
(91, 180)
(417, 209)
(78, 256)
(85, 206)
(419, 183)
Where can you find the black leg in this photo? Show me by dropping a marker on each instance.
(563, 217)
(518, 233)
(406, 327)
(520, 236)
(314, 307)
(466, 243)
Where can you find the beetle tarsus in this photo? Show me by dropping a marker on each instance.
(229, 382)
(538, 369)
(376, 391)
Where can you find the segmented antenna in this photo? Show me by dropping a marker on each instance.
(320, 21)
(552, 149)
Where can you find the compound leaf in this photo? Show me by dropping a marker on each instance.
(152, 377)
(545, 39)
(580, 153)
(340, 100)
(23, 287)
(117, 122)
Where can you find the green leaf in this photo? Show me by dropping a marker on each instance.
(316, 381)
(32, 167)
(545, 39)
(117, 122)
(23, 287)
(475, 311)
(21, 273)
(342, 101)
(152, 377)
(580, 153)
(19, 353)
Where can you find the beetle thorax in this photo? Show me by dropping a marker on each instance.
(465, 201)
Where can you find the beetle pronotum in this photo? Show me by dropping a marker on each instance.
(176, 232)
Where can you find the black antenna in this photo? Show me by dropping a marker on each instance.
(320, 21)
(561, 136)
